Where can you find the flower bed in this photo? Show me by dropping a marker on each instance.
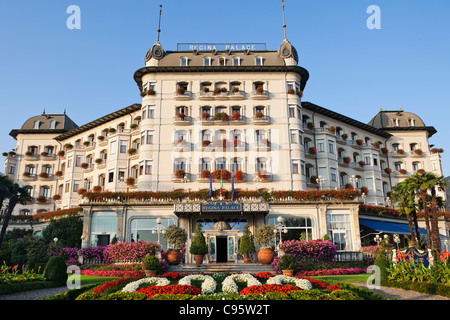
(219, 286)
(130, 251)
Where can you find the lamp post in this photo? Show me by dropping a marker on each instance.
(320, 182)
(354, 181)
(159, 229)
(396, 239)
(280, 227)
(377, 239)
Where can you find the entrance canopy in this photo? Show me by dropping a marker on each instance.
(388, 227)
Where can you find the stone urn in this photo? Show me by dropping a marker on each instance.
(174, 256)
(266, 255)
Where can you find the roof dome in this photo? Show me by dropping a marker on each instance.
(396, 118)
(49, 122)
(221, 225)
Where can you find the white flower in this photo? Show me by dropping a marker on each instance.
(133, 286)
(281, 279)
(208, 286)
(229, 284)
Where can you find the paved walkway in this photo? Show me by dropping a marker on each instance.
(387, 292)
(400, 294)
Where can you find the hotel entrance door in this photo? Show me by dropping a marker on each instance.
(222, 249)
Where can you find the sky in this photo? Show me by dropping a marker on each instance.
(354, 70)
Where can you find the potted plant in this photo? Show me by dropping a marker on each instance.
(130, 181)
(246, 245)
(176, 237)
(205, 174)
(238, 175)
(344, 136)
(133, 126)
(179, 174)
(263, 237)
(198, 246)
(287, 264)
(56, 197)
(132, 151)
(151, 265)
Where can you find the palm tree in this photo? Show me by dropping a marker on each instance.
(418, 181)
(433, 183)
(16, 194)
(403, 195)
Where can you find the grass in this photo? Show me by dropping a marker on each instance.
(94, 279)
(358, 278)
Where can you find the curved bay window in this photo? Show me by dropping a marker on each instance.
(299, 228)
(143, 229)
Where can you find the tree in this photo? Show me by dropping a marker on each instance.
(198, 245)
(247, 245)
(16, 194)
(404, 196)
(431, 184)
(68, 231)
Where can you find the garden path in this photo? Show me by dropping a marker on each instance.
(33, 294)
(400, 294)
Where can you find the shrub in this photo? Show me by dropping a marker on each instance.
(313, 294)
(343, 295)
(151, 263)
(246, 245)
(198, 245)
(88, 296)
(119, 295)
(56, 270)
(131, 251)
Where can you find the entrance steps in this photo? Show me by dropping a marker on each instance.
(251, 268)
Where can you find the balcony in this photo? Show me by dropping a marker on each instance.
(182, 120)
(181, 177)
(263, 176)
(31, 156)
(398, 153)
(47, 157)
(46, 176)
(261, 119)
(205, 96)
(182, 145)
(237, 95)
(29, 177)
(263, 145)
(87, 167)
(259, 95)
(182, 95)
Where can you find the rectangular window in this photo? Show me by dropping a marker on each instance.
(302, 167)
(206, 62)
(259, 61)
(149, 139)
(67, 188)
(291, 112)
(320, 146)
(184, 62)
(151, 113)
(333, 174)
(236, 62)
(330, 146)
(367, 159)
(112, 147)
(111, 176)
(36, 125)
(76, 185)
(121, 175)
(123, 146)
(295, 168)
(77, 161)
(148, 167)
(69, 162)
(293, 136)
(369, 184)
(53, 125)
(11, 169)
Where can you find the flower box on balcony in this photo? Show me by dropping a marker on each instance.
(238, 176)
(132, 151)
(225, 174)
(41, 199)
(385, 150)
(347, 160)
(310, 125)
(205, 174)
(312, 150)
(221, 116)
(98, 160)
(402, 171)
(344, 136)
(43, 175)
(400, 152)
(361, 163)
(418, 152)
(388, 170)
(149, 92)
(264, 175)
(180, 173)
(84, 165)
(130, 181)
(205, 116)
(56, 197)
(205, 143)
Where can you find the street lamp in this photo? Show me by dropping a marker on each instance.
(396, 239)
(377, 239)
(354, 181)
(280, 227)
(320, 182)
(159, 229)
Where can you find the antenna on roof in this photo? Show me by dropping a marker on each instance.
(159, 23)
(284, 23)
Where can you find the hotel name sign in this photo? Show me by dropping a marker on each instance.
(221, 206)
(221, 46)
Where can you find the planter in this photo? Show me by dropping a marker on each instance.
(198, 258)
(247, 258)
(174, 257)
(288, 273)
(150, 273)
(266, 255)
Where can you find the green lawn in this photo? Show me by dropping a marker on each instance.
(93, 279)
(358, 278)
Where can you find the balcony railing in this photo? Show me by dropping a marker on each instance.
(261, 120)
(183, 95)
(259, 95)
(182, 120)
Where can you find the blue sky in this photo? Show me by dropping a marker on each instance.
(353, 70)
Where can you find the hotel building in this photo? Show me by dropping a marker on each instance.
(237, 115)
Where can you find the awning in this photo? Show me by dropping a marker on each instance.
(388, 227)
